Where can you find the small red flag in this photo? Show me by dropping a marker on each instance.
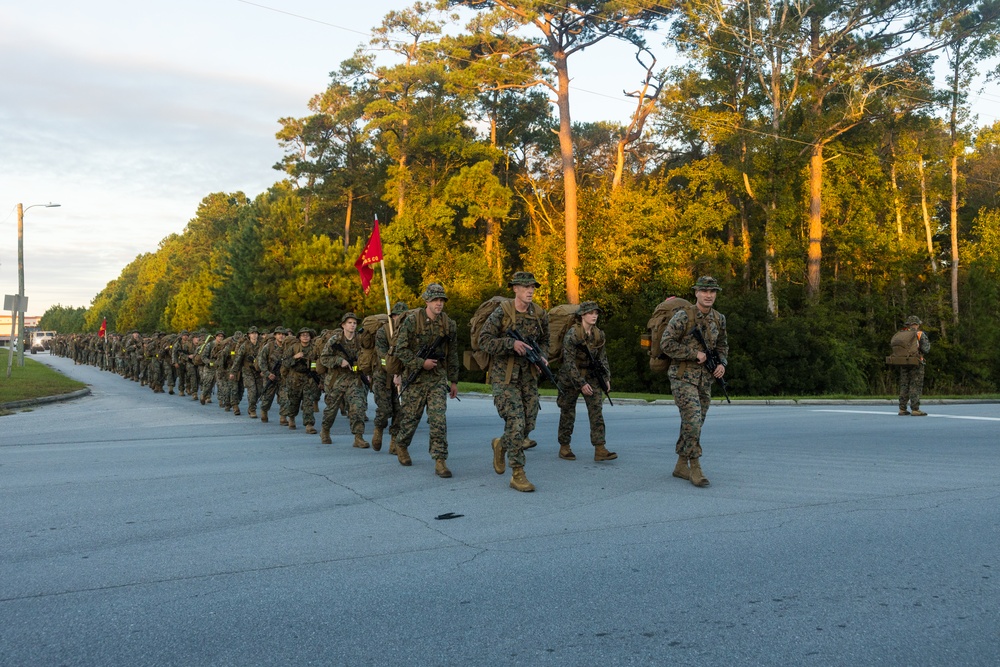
(372, 254)
(104, 328)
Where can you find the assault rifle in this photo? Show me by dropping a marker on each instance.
(533, 356)
(276, 372)
(354, 365)
(428, 351)
(597, 370)
(712, 360)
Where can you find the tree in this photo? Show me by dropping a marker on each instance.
(568, 28)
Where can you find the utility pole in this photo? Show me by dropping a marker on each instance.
(21, 301)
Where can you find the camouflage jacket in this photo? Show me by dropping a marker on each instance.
(416, 332)
(678, 342)
(576, 366)
(506, 365)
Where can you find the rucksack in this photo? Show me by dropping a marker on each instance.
(561, 318)
(658, 361)
(905, 346)
(368, 359)
(320, 344)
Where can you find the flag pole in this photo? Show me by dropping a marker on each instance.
(385, 288)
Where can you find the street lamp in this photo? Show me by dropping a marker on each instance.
(20, 277)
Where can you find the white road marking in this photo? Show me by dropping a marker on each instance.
(893, 414)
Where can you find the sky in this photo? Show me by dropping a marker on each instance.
(127, 114)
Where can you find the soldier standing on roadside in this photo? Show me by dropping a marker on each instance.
(690, 381)
(911, 378)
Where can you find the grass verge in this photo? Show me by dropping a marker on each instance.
(33, 380)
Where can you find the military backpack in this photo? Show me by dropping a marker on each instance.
(905, 349)
(657, 324)
(561, 318)
(368, 359)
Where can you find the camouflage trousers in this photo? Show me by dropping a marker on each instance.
(207, 381)
(517, 404)
(431, 395)
(693, 401)
(301, 392)
(567, 413)
(252, 383)
(230, 390)
(180, 372)
(346, 388)
(168, 373)
(267, 395)
(911, 385)
(386, 403)
(191, 379)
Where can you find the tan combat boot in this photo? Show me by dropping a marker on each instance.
(682, 469)
(324, 437)
(697, 478)
(566, 453)
(392, 445)
(519, 482)
(601, 453)
(252, 414)
(181, 393)
(291, 423)
(440, 469)
(263, 416)
(310, 429)
(403, 456)
(236, 411)
(359, 442)
(498, 462)
(917, 412)
(283, 421)
(528, 444)
(377, 440)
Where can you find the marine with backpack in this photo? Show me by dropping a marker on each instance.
(908, 347)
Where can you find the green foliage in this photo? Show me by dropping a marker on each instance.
(64, 319)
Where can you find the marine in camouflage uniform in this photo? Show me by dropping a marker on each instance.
(186, 357)
(167, 361)
(690, 381)
(133, 355)
(434, 377)
(343, 383)
(583, 343)
(513, 378)
(269, 362)
(154, 369)
(246, 366)
(178, 362)
(386, 396)
(298, 366)
(230, 380)
(210, 365)
(911, 378)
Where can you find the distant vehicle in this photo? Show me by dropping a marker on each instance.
(41, 341)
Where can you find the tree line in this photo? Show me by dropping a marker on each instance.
(801, 152)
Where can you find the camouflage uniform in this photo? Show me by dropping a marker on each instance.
(513, 378)
(386, 398)
(300, 387)
(690, 382)
(268, 358)
(154, 367)
(178, 361)
(574, 374)
(210, 365)
(344, 385)
(428, 389)
(231, 381)
(246, 366)
(911, 378)
(133, 356)
(186, 358)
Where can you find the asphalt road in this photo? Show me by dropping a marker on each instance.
(142, 529)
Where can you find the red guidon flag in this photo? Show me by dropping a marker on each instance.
(104, 328)
(372, 254)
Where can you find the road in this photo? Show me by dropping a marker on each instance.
(143, 529)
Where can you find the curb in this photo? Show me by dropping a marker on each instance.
(42, 400)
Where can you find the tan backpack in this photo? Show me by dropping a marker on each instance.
(368, 359)
(561, 318)
(905, 346)
(393, 366)
(476, 359)
(657, 324)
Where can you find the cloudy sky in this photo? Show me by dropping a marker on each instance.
(127, 114)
